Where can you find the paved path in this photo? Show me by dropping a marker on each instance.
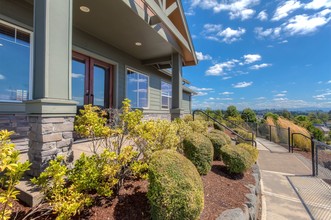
(288, 189)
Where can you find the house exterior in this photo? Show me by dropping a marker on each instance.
(323, 128)
(57, 55)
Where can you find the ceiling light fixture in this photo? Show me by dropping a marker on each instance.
(84, 9)
(138, 44)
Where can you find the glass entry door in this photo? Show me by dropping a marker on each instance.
(92, 81)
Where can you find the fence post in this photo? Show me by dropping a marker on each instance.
(316, 159)
(256, 129)
(289, 139)
(313, 156)
(252, 138)
(270, 133)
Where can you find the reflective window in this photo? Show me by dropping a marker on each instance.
(14, 63)
(137, 89)
(166, 95)
(78, 80)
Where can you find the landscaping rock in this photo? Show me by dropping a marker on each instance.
(232, 214)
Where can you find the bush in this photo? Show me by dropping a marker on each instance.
(175, 188)
(237, 159)
(199, 126)
(251, 150)
(245, 135)
(218, 127)
(199, 149)
(218, 142)
(224, 135)
(11, 171)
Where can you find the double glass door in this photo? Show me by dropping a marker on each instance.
(92, 81)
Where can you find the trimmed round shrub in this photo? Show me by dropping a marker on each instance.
(237, 159)
(198, 126)
(218, 127)
(175, 187)
(251, 150)
(245, 135)
(224, 135)
(199, 149)
(218, 142)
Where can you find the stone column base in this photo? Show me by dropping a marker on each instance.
(49, 137)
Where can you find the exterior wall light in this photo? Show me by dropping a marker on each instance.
(84, 9)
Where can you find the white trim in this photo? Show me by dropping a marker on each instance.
(128, 68)
(166, 96)
(31, 34)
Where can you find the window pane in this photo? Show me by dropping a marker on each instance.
(132, 87)
(99, 86)
(166, 91)
(78, 79)
(142, 91)
(165, 102)
(14, 65)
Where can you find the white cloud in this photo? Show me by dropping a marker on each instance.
(280, 99)
(261, 98)
(200, 89)
(225, 99)
(305, 24)
(226, 77)
(231, 35)
(77, 75)
(251, 58)
(242, 84)
(317, 4)
(269, 32)
(228, 35)
(260, 66)
(263, 16)
(219, 68)
(226, 93)
(323, 96)
(202, 56)
(328, 82)
(237, 8)
(201, 94)
(286, 8)
(2, 77)
(280, 95)
(283, 42)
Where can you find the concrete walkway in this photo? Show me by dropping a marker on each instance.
(288, 189)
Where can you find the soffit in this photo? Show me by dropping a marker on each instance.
(118, 25)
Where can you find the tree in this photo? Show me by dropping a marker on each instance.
(286, 114)
(248, 115)
(231, 111)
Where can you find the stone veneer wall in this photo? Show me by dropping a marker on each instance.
(49, 137)
(155, 116)
(18, 123)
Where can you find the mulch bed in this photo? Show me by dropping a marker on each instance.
(222, 191)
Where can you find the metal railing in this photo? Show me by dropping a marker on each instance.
(226, 127)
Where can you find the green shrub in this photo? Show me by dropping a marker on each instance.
(11, 171)
(237, 159)
(199, 149)
(218, 142)
(65, 201)
(224, 135)
(250, 149)
(218, 127)
(199, 126)
(246, 135)
(175, 188)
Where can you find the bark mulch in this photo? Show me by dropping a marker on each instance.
(222, 191)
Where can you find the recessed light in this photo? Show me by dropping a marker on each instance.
(138, 44)
(84, 9)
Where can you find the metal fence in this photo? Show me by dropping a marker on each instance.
(322, 154)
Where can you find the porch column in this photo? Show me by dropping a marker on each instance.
(51, 112)
(177, 90)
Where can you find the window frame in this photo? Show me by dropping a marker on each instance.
(169, 97)
(30, 77)
(126, 86)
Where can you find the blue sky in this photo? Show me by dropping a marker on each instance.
(260, 54)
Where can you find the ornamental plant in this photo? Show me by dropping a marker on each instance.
(237, 159)
(65, 200)
(175, 188)
(199, 149)
(11, 171)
